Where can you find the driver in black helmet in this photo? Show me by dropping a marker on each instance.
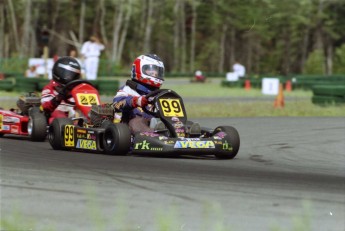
(65, 70)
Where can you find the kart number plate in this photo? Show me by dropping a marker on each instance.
(1, 122)
(171, 107)
(69, 136)
(87, 99)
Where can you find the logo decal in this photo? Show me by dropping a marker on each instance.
(194, 144)
(86, 144)
(227, 146)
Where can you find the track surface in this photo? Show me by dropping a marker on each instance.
(287, 170)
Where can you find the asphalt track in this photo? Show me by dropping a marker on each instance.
(290, 172)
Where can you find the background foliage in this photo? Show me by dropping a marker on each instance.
(267, 36)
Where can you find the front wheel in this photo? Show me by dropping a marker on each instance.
(55, 132)
(232, 145)
(37, 125)
(117, 139)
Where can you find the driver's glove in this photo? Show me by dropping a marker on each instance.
(139, 101)
(57, 99)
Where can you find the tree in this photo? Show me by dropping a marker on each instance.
(268, 36)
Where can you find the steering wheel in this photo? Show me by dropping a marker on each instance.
(69, 86)
(152, 97)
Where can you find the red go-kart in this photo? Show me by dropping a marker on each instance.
(20, 121)
(30, 120)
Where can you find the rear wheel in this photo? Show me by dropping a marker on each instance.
(232, 137)
(55, 132)
(37, 125)
(117, 139)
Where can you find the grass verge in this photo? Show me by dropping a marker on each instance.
(241, 103)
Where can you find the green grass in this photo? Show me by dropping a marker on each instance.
(214, 89)
(262, 109)
(250, 103)
(241, 103)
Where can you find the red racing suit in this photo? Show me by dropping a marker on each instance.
(53, 106)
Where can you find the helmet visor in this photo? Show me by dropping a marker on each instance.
(153, 71)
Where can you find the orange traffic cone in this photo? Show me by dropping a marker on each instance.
(288, 86)
(279, 101)
(247, 85)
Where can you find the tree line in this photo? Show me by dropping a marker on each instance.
(267, 36)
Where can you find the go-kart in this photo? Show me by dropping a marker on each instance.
(32, 121)
(80, 132)
(28, 120)
(176, 138)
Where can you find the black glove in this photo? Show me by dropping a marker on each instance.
(57, 99)
(63, 94)
(60, 97)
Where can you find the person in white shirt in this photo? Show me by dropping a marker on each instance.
(239, 69)
(31, 72)
(91, 50)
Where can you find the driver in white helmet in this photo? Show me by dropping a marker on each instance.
(147, 76)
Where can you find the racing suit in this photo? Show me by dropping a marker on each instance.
(54, 107)
(123, 102)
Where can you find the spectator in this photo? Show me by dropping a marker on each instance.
(65, 70)
(31, 72)
(239, 69)
(91, 50)
(147, 76)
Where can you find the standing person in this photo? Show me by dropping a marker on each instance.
(65, 70)
(147, 76)
(91, 50)
(239, 69)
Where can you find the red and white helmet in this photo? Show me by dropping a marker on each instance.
(149, 70)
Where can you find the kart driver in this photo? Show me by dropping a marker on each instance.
(147, 76)
(65, 70)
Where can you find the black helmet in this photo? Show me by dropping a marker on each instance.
(66, 69)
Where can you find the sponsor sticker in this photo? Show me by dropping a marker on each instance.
(81, 136)
(5, 127)
(91, 136)
(14, 129)
(227, 146)
(81, 131)
(194, 144)
(86, 144)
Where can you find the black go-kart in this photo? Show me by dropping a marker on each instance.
(116, 139)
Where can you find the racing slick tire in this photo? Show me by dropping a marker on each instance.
(37, 125)
(117, 139)
(233, 138)
(55, 132)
